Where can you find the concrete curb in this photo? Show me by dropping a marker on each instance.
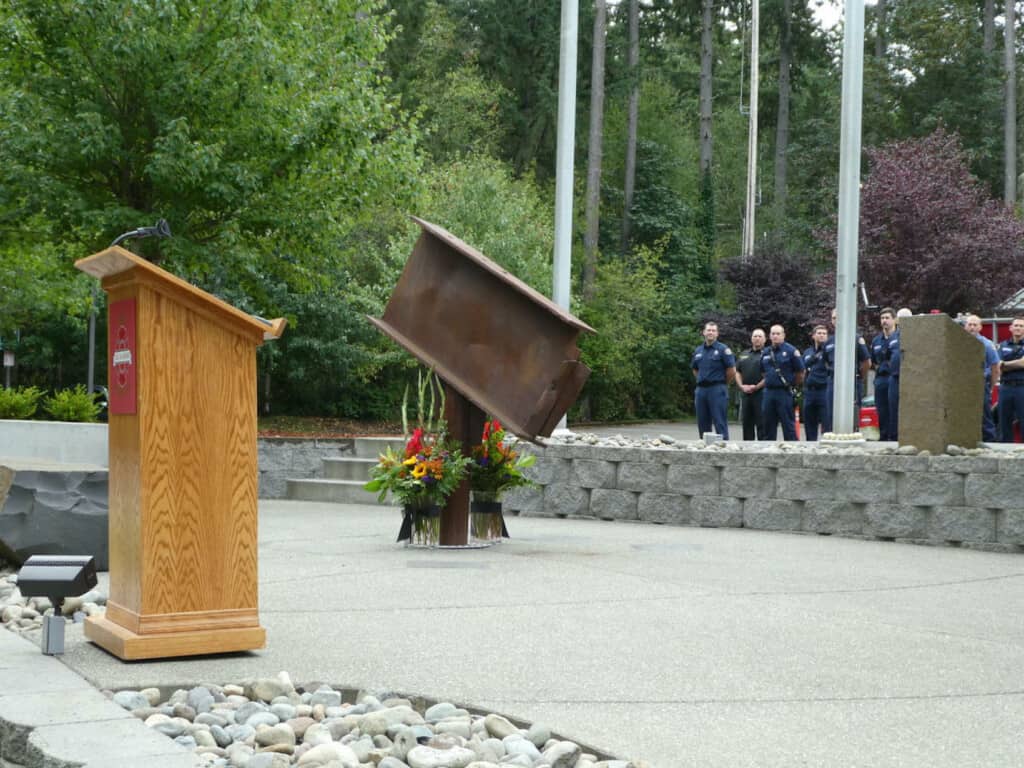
(50, 717)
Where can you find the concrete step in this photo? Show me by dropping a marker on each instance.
(336, 491)
(372, 447)
(347, 468)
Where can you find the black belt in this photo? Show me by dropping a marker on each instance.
(815, 386)
(777, 386)
(710, 383)
(1006, 383)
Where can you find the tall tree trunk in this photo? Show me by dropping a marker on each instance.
(880, 39)
(988, 26)
(1010, 109)
(634, 111)
(594, 154)
(782, 124)
(707, 192)
(706, 59)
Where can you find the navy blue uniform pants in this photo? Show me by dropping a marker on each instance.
(831, 396)
(988, 427)
(894, 407)
(882, 406)
(1011, 406)
(816, 412)
(778, 409)
(712, 403)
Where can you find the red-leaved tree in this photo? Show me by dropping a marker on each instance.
(930, 236)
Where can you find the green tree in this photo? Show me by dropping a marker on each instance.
(260, 130)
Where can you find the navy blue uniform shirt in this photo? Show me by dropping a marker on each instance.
(787, 360)
(710, 362)
(1009, 351)
(881, 353)
(818, 366)
(894, 356)
(860, 357)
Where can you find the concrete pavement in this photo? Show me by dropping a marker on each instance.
(682, 646)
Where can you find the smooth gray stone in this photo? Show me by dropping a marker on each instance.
(325, 696)
(131, 700)
(240, 732)
(283, 711)
(392, 762)
(538, 734)
(268, 688)
(275, 734)
(428, 757)
(262, 718)
(249, 709)
(170, 728)
(268, 760)
(200, 699)
(184, 711)
(188, 742)
(211, 718)
(517, 745)
(439, 712)
(221, 736)
(563, 754)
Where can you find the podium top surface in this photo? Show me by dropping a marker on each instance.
(115, 260)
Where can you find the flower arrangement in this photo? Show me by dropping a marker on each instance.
(431, 466)
(495, 466)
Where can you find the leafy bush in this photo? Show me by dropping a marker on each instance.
(19, 403)
(72, 405)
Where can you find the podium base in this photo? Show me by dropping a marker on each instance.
(130, 646)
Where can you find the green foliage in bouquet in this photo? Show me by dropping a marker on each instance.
(495, 466)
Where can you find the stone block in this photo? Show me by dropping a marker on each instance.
(998, 491)
(772, 514)
(866, 487)
(748, 482)
(898, 463)
(273, 485)
(524, 499)
(548, 471)
(775, 459)
(693, 479)
(894, 521)
(274, 455)
(1010, 526)
(805, 484)
(716, 511)
(613, 504)
(842, 461)
(677, 456)
(1013, 464)
(841, 517)
(591, 473)
(54, 510)
(566, 499)
(645, 476)
(962, 524)
(930, 489)
(671, 508)
(964, 465)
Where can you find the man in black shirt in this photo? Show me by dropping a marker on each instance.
(750, 380)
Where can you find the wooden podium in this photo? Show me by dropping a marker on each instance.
(183, 474)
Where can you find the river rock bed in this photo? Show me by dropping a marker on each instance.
(847, 444)
(271, 723)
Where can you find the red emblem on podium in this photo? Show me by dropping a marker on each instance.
(123, 358)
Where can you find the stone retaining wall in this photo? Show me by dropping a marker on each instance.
(975, 501)
(281, 458)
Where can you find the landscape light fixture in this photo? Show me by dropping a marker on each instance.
(56, 577)
(161, 229)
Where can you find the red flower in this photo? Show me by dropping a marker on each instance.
(415, 444)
